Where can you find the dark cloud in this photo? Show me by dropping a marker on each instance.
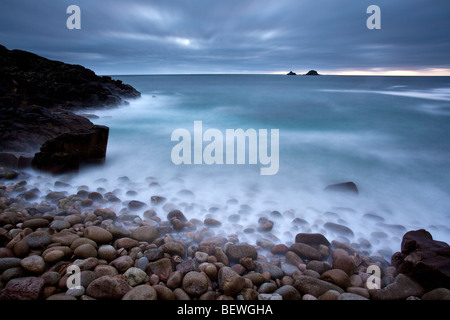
(201, 36)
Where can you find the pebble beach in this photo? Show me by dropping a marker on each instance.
(151, 251)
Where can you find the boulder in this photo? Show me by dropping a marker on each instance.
(424, 259)
(345, 187)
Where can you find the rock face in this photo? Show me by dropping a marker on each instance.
(67, 151)
(37, 96)
(424, 259)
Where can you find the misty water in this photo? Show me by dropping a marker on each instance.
(389, 135)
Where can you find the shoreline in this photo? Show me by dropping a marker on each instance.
(163, 255)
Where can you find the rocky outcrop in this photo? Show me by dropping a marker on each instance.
(37, 97)
(312, 73)
(28, 79)
(291, 73)
(424, 259)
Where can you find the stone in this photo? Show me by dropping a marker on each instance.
(339, 229)
(38, 239)
(293, 258)
(174, 248)
(230, 282)
(61, 297)
(175, 280)
(180, 294)
(145, 234)
(9, 262)
(351, 296)
(279, 249)
(313, 286)
(21, 248)
(336, 276)
(28, 288)
(437, 294)
(237, 251)
(59, 225)
(85, 251)
(274, 271)
(154, 254)
(305, 251)
(107, 287)
(256, 278)
(98, 234)
(163, 292)
(126, 243)
(344, 263)
(330, 295)
(425, 259)
(162, 268)
(35, 223)
(208, 245)
(33, 264)
(195, 283)
(105, 270)
(288, 292)
(176, 214)
(359, 291)
(136, 205)
(135, 276)
(141, 292)
(402, 288)
(346, 187)
(106, 213)
(107, 252)
(122, 263)
(267, 287)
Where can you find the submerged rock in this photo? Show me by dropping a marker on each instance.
(347, 187)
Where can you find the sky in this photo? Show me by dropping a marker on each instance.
(235, 36)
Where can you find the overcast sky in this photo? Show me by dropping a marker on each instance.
(234, 36)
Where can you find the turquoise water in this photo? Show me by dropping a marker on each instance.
(390, 135)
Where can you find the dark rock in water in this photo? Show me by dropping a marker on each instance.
(312, 239)
(348, 187)
(291, 73)
(312, 73)
(424, 259)
(66, 152)
(338, 228)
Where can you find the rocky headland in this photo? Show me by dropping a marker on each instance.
(38, 98)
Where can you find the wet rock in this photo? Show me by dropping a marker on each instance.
(35, 223)
(141, 292)
(38, 239)
(105, 213)
(339, 229)
(305, 251)
(337, 277)
(195, 283)
(288, 292)
(135, 276)
(403, 287)
(107, 287)
(208, 245)
(425, 259)
(29, 288)
(85, 251)
(98, 234)
(346, 187)
(230, 282)
(145, 234)
(154, 254)
(313, 286)
(9, 262)
(122, 263)
(174, 248)
(274, 271)
(351, 296)
(237, 251)
(437, 294)
(344, 263)
(163, 292)
(162, 268)
(176, 214)
(107, 252)
(33, 264)
(312, 239)
(136, 205)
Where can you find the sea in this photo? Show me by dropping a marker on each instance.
(388, 135)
